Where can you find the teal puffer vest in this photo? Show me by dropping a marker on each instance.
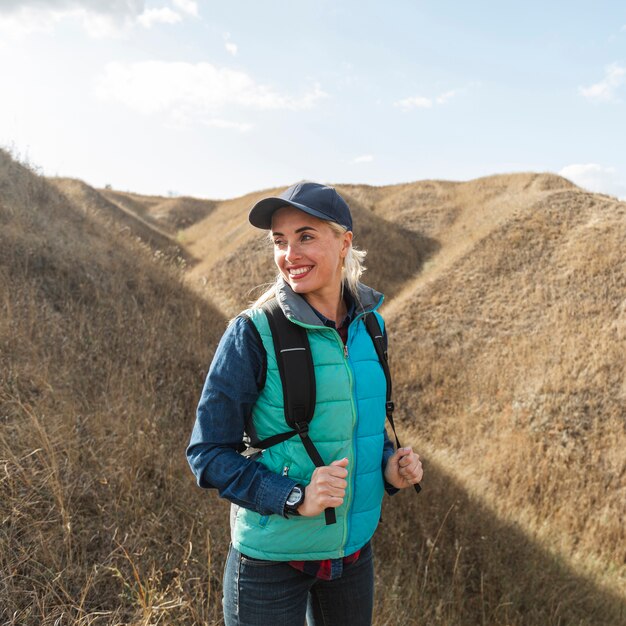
(349, 421)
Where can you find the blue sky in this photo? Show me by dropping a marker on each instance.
(216, 99)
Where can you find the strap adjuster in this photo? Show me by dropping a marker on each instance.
(302, 428)
(389, 406)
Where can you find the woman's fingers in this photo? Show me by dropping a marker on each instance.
(410, 467)
(334, 481)
(409, 457)
(333, 486)
(413, 475)
(328, 485)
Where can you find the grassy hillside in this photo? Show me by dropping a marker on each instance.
(235, 258)
(121, 218)
(510, 369)
(170, 214)
(507, 326)
(102, 355)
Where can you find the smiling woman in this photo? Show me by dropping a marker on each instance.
(352, 266)
(304, 508)
(310, 257)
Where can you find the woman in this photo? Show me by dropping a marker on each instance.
(285, 560)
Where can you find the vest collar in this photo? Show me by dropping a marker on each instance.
(295, 307)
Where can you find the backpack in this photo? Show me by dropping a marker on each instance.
(297, 374)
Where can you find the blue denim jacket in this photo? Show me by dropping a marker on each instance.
(230, 390)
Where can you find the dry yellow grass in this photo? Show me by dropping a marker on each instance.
(507, 334)
(121, 218)
(102, 352)
(171, 214)
(513, 375)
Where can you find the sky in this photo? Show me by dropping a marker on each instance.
(218, 99)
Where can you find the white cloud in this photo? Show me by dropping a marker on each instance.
(242, 127)
(595, 177)
(444, 97)
(422, 102)
(187, 6)
(164, 15)
(189, 92)
(415, 102)
(27, 21)
(365, 158)
(229, 45)
(100, 18)
(604, 91)
(98, 6)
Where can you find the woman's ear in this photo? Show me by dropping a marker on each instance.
(346, 243)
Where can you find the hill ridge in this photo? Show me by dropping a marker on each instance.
(86, 196)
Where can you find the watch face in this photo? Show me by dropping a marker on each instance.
(295, 497)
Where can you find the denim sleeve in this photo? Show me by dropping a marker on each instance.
(388, 450)
(230, 391)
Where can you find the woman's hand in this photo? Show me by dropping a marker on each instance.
(404, 468)
(326, 489)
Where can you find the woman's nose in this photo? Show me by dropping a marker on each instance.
(292, 252)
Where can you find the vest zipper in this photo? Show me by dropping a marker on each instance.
(354, 414)
(352, 461)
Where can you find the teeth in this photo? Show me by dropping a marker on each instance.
(300, 270)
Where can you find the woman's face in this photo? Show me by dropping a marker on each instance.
(307, 252)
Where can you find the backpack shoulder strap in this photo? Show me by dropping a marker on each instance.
(297, 374)
(373, 328)
(295, 365)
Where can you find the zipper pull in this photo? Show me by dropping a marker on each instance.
(345, 350)
(285, 470)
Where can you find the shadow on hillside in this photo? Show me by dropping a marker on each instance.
(453, 559)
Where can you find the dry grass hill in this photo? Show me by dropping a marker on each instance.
(234, 259)
(507, 317)
(121, 216)
(509, 358)
(170, 214)
(102, 353)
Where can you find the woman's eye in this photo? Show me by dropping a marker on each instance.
(306, 237)
(279, 242)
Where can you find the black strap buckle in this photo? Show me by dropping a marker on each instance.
(390, 406)
(302, 428)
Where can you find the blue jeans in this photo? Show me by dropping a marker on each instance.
(272, 593)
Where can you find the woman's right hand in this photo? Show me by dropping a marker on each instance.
(326, 489)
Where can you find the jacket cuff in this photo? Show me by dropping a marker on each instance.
(273, 494)
(390, 489)
(388, 452)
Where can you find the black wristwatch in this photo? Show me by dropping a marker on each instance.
(294, 500)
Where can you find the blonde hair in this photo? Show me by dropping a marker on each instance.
(351, 270)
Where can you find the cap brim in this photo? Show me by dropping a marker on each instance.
(261, 213)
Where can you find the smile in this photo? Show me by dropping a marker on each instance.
(299, 272)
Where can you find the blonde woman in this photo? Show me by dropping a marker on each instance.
(289, 558)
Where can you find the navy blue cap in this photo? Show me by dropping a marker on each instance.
(312, 198)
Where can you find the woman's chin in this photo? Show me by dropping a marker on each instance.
(297, 286)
